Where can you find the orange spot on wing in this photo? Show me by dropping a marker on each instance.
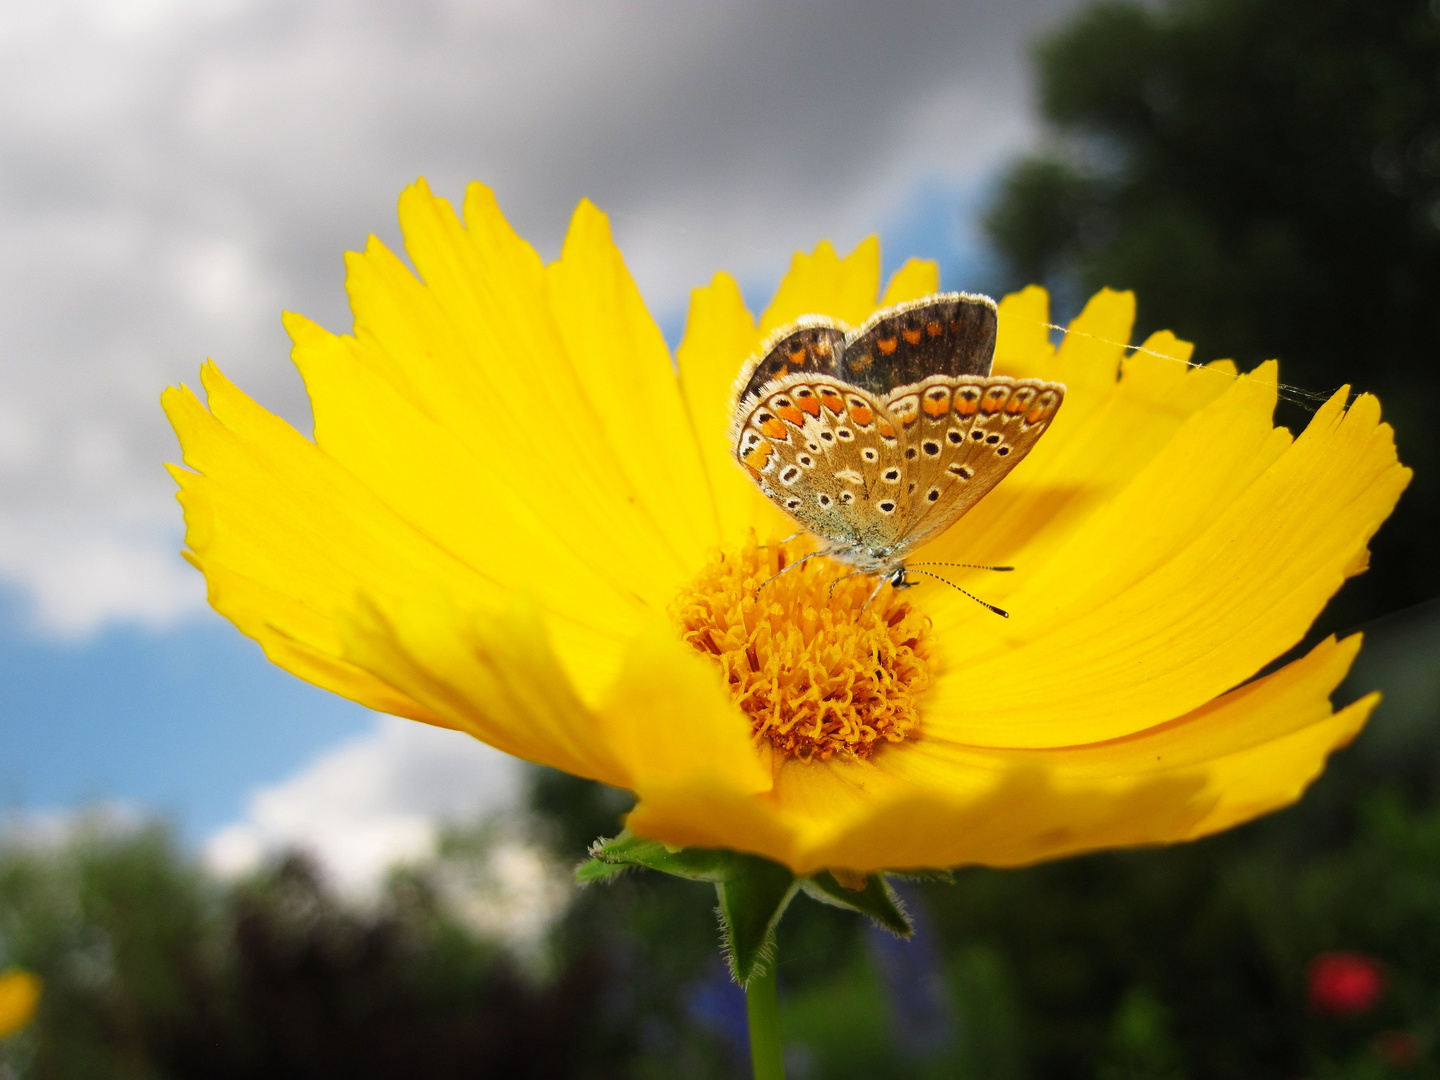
(888, 344)
(1015, 407)
(757, 458)
(936, 407)
(791, 414)
(965, 406)
(933, 329)
(1035, 414)
(831, 401)
(992, 403)
(775, 429)
(810, 404)
(912, 335)
(887, 431)
(862, 415)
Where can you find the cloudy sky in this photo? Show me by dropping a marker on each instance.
(174, 173)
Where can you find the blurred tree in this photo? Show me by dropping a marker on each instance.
(1265, 174)
(153, 970)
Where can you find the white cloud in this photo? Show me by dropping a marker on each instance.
(373, 803)
(173, 173)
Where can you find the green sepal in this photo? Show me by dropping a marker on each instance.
(751, 903)
(877, 900)
(626, 851)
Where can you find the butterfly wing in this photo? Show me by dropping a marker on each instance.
(962, 435)
(811, 344)
(945, 334)
(829, 455)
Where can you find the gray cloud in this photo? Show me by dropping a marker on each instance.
(174, 172)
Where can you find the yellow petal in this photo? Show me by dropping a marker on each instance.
(631, 385)
(1246, 753)
(821, 283)
(527, 527)
(490, 673)
(19, 998)
(670, 719)
(719, 335)
(1239, 592)
(467, 346)
(1022, 338)
(935, 803)
(917, 278)
(285, 537)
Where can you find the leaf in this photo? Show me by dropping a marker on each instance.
(751, 903)
(876, 899)
(611, 857)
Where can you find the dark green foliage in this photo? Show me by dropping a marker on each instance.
(153, 971)
(1265, 174)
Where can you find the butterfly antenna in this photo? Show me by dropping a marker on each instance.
(982, 603)
(966, 565)
(843, 577)
(786, 570)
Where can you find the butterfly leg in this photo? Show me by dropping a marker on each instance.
(792, 566)
(842, 577)
(787, 539)
(874, 593)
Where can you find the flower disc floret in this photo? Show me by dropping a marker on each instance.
(817, 671)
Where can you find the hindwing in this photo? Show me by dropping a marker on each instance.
(962, 436)
(829, 455)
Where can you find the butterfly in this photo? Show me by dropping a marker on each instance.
(878, 438)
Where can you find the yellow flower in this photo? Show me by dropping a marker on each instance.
(517, 520)
(19, 997)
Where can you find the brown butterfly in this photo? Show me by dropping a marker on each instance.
(880, 437)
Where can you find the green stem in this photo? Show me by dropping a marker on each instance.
(762, 1008)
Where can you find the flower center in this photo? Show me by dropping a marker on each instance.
(816, 674)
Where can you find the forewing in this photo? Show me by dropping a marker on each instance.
(945, 334)
(827, 454)
(810, 345)
(962, 436)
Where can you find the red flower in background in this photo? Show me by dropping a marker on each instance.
(1344, 983)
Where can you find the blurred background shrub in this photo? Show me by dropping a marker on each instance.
(1266, 175)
